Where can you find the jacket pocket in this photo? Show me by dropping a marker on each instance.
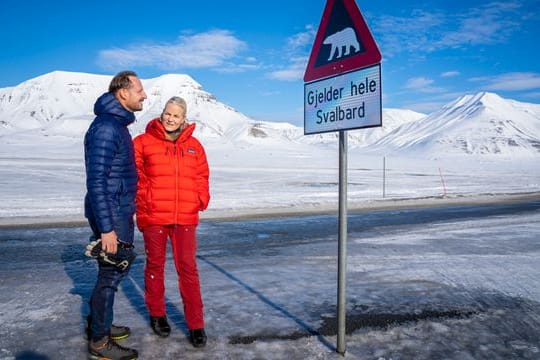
(149, 203)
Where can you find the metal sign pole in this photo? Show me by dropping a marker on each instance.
(342, 93)
(342, 242)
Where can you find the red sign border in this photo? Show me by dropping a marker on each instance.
(370, 56)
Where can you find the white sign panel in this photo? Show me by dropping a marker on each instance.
(344, 102)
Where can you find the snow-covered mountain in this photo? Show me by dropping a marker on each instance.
(392, 119)
(479, 124)
(62, 103)
(59, 105)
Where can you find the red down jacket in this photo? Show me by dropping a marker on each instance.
(173, 177)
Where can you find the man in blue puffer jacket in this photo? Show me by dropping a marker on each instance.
(111, 182)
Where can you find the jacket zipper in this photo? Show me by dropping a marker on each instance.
(175, 185)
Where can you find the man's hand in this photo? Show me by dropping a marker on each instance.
(109, 242)
(122, 259)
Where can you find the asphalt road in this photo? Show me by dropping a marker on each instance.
(455, 281)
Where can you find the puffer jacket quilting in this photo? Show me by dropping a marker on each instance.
(173, 177)
(111, 174)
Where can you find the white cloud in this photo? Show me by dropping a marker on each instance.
(422, 84)
(424, 107)
(418, 83)
(302, 39)
(407, 34)
(297, 50)
(427, 31)
(289, 74)
(203, 50)
(515, 81)
(447, 74)
(236, 67)
(292, 72)
(489, 24)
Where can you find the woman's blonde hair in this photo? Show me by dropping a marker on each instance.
(177, 100)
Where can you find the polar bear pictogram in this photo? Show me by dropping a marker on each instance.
(342, 40)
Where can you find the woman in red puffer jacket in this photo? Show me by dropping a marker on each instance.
(171, 190)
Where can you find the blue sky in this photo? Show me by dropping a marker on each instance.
(252, 54)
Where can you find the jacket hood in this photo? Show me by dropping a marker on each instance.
(156, 129)
(109, 104)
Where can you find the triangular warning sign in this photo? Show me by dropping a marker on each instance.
(343, 42)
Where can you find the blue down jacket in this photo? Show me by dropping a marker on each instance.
(111, 174)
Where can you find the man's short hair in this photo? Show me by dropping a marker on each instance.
(121, 81)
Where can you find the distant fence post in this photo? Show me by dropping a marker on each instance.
(384, 176)
(442, 181)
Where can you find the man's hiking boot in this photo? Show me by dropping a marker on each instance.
(117, 332)
(108, 349)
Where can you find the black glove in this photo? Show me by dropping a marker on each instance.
(122, 259)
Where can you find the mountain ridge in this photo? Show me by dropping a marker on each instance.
(483, 123)
(60, 103)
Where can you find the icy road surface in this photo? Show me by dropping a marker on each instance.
(458, 282)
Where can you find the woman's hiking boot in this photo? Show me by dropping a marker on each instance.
(197, 338)
(160, 325)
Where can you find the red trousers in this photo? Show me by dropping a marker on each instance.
(184, 246)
